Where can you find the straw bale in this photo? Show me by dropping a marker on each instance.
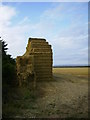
(43, 71)
(36, 40)
(42, 54)
(43, 57)
(42, 50)
(40, 45)
(43, 60)
(42, 66)
(37, 60)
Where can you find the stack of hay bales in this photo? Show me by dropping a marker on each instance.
(37, 60)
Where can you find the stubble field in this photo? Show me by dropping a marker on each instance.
(66, 96)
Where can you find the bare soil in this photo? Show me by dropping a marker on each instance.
(66, 96)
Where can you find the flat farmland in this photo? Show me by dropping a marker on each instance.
(72, 71)
(65, 96)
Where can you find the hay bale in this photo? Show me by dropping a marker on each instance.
(37, 60)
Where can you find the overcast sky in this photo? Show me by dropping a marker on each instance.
(64, 25)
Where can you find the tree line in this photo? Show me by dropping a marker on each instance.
(8, 65)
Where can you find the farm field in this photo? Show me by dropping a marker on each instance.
(66, 96)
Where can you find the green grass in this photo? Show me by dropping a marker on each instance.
(18, 99)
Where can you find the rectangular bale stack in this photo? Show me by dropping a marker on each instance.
(42, 53)
(36, 63)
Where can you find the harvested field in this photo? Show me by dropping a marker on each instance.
(66, 96)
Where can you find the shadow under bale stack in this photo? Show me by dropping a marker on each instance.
(36, 63)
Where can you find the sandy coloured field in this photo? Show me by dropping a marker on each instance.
(66, 96)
